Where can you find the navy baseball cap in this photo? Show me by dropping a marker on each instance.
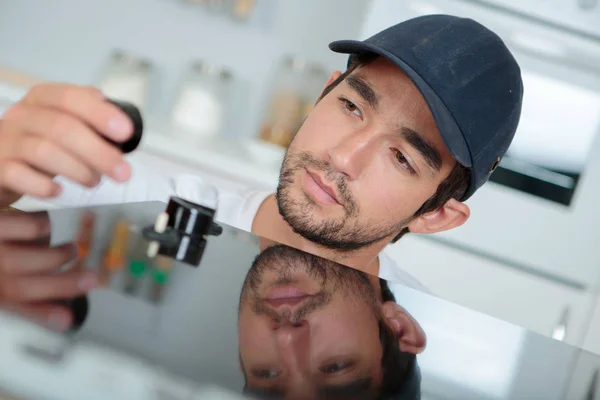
(468, 77)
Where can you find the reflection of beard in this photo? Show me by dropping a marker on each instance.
(333, 279)
(344, 233)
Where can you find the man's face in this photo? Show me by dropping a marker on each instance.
(309, 328)
(364, 161)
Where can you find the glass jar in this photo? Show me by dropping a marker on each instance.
(242, 9)
(199, 109)
(216, 6)
(286, 106)
(297, 88)
(127, 78)
(314, 83)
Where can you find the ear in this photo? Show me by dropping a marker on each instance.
(411, 337)
(332, 78)
(451, 215)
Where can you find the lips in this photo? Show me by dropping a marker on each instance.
(285, 296)
(290, 302)
(328, 189)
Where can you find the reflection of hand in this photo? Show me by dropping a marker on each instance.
(29, 276)
(411, 337)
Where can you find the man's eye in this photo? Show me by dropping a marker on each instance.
(401, 158)
(335, 367)
(350, 107)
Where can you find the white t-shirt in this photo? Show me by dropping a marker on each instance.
(234, 208)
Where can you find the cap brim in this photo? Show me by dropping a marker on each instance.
(449, 130)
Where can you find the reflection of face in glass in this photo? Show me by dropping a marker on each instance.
(310, 328)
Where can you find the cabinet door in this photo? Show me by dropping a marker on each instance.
(495, 289)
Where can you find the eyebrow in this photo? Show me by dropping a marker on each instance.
(351, 389)
(429, 153)
(364, 90)
(273, 393)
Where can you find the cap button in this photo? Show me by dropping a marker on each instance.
(495, 165)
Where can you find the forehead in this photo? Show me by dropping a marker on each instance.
(394, 88)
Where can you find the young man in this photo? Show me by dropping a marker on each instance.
(310, 328)
(417, 123)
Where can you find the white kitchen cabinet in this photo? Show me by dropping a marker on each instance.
(580, 15)
(495, 289)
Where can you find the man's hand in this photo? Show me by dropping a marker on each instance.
(57, 129)
(29, 278)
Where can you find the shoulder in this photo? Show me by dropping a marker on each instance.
(237, 208)
(391, 272)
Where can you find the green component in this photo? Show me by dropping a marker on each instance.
(137, 268)
(160, 276)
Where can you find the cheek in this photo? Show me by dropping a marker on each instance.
(345, 331)
(397, 197)
(255, 339)
(321, 130)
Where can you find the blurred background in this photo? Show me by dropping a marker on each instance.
(224, 85)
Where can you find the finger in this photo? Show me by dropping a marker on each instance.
(86, 104)
(46, 156)
(61, 286)
(21, 259)
(53, 316)
(70, 133)
(94, 91)
(8, 196)
(24, 226)
(21, 178)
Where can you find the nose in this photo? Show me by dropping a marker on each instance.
(293, 340)
(351, 156)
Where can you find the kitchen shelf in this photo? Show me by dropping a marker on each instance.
(249, 161)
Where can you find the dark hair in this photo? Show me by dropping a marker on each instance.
(453, 187)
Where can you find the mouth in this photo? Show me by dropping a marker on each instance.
(319, 190)
(285, 296)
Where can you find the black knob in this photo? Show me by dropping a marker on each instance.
(138, 126)
(189, 218)
(185, 236)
